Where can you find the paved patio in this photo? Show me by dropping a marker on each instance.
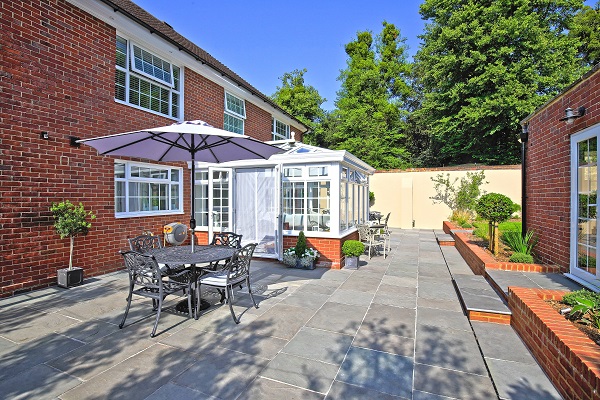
(392, 329)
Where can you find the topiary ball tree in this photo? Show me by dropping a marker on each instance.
(495, 208)
(300, 245)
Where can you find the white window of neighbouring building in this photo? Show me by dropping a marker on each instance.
(146, 189)
(584, 206)
(281, 131)
(235, 113)
(147, 81)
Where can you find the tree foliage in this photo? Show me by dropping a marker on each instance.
(461, 198)
(302, 101)
(484, 65)
(369, 117)
(586, 28)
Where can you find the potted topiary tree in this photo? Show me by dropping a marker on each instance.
(300, 256)
(69, 221)
(495, 208)
(352, 249)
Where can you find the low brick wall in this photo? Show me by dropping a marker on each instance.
(569, 358)
(479, 260)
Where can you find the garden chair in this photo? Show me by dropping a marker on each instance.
(387, 233)
(234, 273)
(146, 279)
(371, 238)
(229, 239)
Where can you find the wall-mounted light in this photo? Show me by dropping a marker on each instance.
(570, 115)
(44, 135)
(73, 141)
(525, 133)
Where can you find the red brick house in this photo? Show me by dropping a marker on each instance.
(85, 68)
(561, 169)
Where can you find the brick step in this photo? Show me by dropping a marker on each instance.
(480, 301)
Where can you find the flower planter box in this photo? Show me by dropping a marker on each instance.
(69, 277)
(351, 263)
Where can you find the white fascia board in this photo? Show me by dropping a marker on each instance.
(141, 36)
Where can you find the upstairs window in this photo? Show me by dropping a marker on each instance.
(146, 81)
(235, 113)
(281, 131)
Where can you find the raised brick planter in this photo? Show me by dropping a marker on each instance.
(479, 260)
(569, 358)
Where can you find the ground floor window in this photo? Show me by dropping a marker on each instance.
(145, 189)
(306, 198)
(584, 187)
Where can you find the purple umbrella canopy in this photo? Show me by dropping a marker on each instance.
(183, 141)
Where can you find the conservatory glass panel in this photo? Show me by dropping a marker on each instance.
(587, 170)
(319, 206)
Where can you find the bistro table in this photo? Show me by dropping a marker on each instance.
(181, 255)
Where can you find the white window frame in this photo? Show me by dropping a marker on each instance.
(234, 114)
(132, 45)
(276, 134)
(305, 179)
(129, 70)
(129, 179)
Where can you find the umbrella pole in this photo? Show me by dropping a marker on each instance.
(192, 216)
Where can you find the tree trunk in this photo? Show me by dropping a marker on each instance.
(490, 237)
(71, 252)
(495, 239)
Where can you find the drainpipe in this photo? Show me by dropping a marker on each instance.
(524, 138)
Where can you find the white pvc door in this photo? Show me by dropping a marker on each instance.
(220, 218)
(257, 210)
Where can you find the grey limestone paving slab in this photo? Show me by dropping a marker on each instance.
(442, 319)
(352, 297)
(253, 344)
(361, 283)
(24, 324)
(419, 395)
(478, 295)
(390, 320)
(136, 377)
(223, 375)
(396, 296)
(454, 384)
(88, 331)
(400, 345)
(301, 372)
(400, 281)
(344, 391)
(315, 288)
(501, 342)
(24, 356)
(106, 353)
(102, 305)
(337, 317)
(268, 389)
(383, 372)
(552, 281)
(442, 304)
(448, 348)
(171, 391)
(312, 301)
(40, 382)
(519, 381)
(282, 321)
(329, 347)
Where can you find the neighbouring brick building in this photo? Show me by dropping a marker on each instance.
(87, 68)
(561, 169)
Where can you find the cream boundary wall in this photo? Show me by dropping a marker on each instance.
(406, 194)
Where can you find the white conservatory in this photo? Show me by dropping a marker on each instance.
(324, 193)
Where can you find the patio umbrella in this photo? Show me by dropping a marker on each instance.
(183, 141)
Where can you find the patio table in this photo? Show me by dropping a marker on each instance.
(202, 255)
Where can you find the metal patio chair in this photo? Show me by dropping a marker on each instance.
(371, 238)
(147, 280)
(235, 272)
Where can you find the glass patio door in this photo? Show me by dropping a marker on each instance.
(220, 213)
(584, 206)
(257, 209)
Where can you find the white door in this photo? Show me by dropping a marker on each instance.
(257, 209)
(584, 206)
(220, 210)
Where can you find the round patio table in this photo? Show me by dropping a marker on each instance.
(202, 255)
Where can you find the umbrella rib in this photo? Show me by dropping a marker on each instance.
(171, 144)
(228, 140)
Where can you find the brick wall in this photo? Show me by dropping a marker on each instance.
(569, 358)
(548, 168)
(57, 67)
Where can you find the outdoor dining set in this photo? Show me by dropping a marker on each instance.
(375, 234)
(156, 271)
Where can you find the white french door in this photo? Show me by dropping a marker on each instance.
(220, 210)
(584, 206)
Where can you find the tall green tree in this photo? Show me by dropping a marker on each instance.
(302, 101)
(369, 119)
(486, 64)
(586, 28)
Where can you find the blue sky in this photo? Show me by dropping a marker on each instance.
(262, 40)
